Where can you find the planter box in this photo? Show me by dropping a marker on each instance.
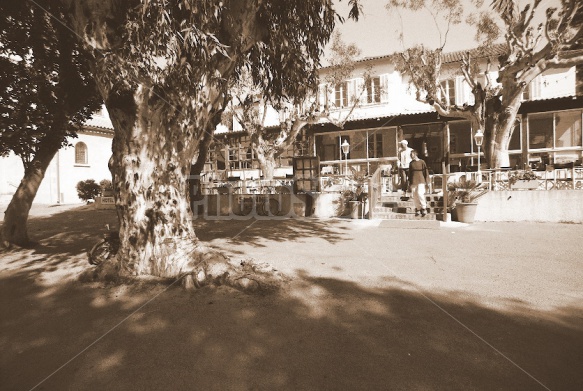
(525, 185)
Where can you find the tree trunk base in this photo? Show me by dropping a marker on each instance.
(207, 267)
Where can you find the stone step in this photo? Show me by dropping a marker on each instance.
(428, 197)
(386, 215)
(406, 210)
(410, 224)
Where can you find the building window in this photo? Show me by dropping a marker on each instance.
(80, 153)
(460, 139)
(568, 129)
(241, 154)
(540, 131)
(341, 95)
(327, 147)
(448, 88)
(515, 143)
(375, 145)
(373, 90)
(554, 130)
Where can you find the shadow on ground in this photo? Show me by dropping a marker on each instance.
(322, 334)
(316, 334)
(76, 230)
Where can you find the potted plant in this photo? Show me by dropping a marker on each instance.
(462, 196)
(356, 196)
(523, 179)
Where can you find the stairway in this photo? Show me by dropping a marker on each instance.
(392, 207)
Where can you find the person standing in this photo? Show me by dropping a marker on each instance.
(418, 179)
(403, 163)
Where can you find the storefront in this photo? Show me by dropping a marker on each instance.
(547, 132)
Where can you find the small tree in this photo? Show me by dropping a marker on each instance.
(88, 189)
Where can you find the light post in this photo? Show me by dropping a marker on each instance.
(479, 138)
(345, 149)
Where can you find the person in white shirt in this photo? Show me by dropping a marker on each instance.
(403, 163)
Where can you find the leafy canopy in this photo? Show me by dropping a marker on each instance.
(46, 90)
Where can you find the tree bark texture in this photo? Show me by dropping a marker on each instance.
(266, 160)
(151, 163)
(14, 227)
(161, 96)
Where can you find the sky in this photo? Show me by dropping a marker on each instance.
(376, 32)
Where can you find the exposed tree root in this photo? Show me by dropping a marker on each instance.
(247, 275)
(207, 267)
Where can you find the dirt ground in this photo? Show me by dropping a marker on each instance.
(487, 306)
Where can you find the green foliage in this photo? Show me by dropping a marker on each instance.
(88, 189)
(46, 90)
(466, 191)
(521, 175)
(358, 179)
(105, 185)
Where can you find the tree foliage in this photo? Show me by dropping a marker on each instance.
(529, 48)
(251, 109)
(47, 92)
(163, 68)
(88, 189)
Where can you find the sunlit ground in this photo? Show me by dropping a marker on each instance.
(483, 306)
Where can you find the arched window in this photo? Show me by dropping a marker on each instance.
(80, 153)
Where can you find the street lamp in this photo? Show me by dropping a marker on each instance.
(345, 149)
(479, 138)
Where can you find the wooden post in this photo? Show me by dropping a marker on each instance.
(444, 189)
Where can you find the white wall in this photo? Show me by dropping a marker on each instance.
(557, 206)
(62, 174)
(98, 155)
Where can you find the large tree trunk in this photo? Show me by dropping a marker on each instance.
(158, 122)
(266, 162)
(150, 167)
(14, 228)
(500, 125)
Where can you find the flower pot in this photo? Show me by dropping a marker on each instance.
(355, 209)
(466, 212)
(531, 184)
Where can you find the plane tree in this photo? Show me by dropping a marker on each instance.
(47, 93)
(529, 49)
(255, 113)
(163, 69)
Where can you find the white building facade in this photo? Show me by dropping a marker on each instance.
(550, 129)
(86, 158)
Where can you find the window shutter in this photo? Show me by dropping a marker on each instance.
(322, 96)
(351, 91)
(460, 97)
(360, 95)
(463, 92)
(385, 88)
(536, 87)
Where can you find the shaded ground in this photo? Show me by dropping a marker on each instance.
(479, 307)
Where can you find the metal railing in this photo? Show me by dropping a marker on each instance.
(508, 179)
(251, 186)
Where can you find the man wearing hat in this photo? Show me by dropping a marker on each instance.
(403, 164)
